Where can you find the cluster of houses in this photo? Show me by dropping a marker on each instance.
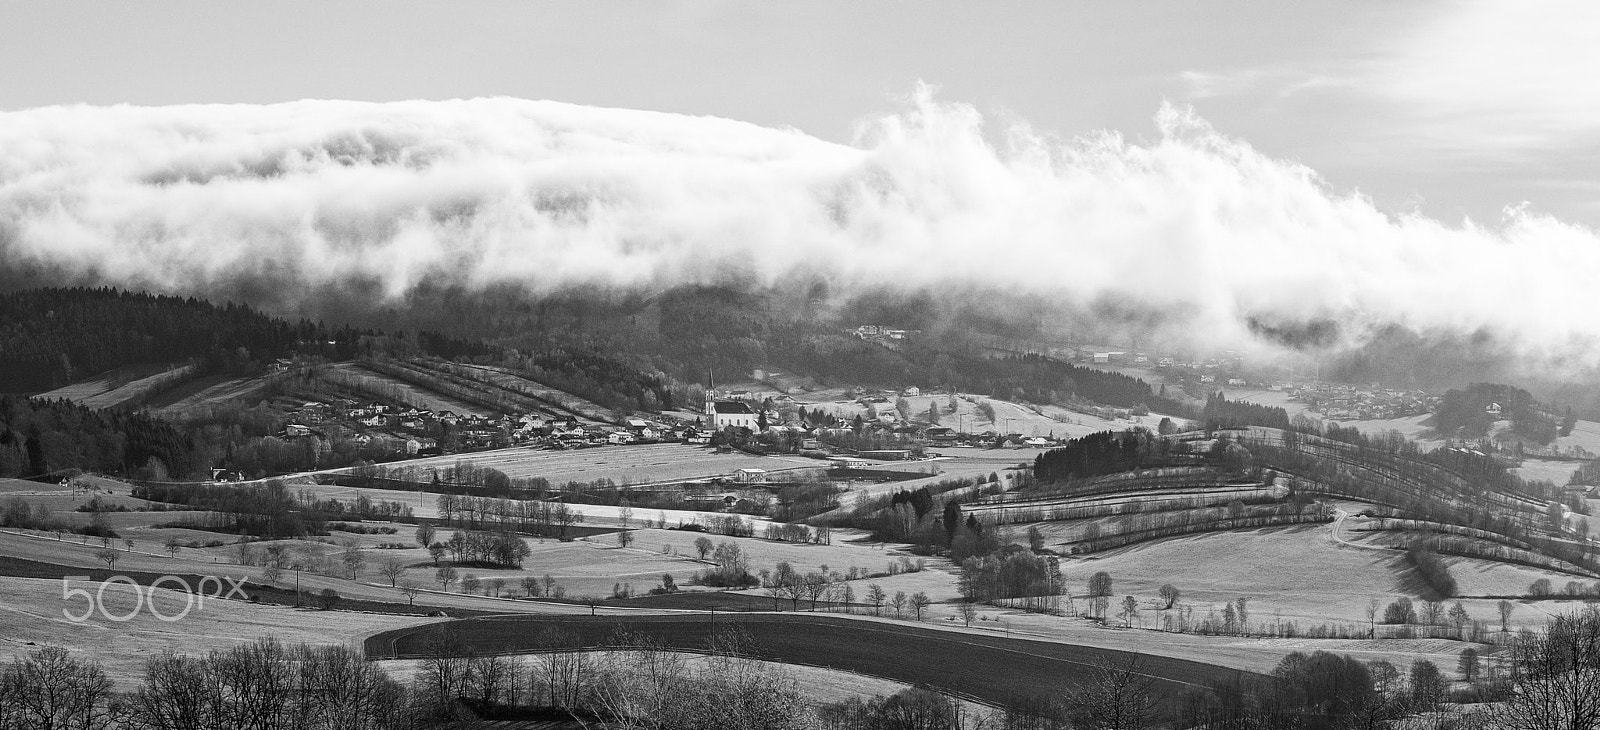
(878, 331)
(414, 431)
(1345, 402)
(890, 337)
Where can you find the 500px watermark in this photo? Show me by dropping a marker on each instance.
(144, 597)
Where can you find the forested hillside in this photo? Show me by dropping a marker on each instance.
(735, 332)
(1466, 413)
(51, 337)
(45, 438)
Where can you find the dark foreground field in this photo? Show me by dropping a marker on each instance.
(991, 669)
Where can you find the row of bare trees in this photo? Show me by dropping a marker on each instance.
(632, 682)
(259, 686)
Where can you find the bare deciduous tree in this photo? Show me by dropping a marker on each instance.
(49, 688)
(410, 591)
(392, 568)
(876, 597)
(1119, 697)
(1557, 677)
(1169, 595)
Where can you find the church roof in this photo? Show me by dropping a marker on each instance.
(732, 406)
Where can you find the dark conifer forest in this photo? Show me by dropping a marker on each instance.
(52, 337)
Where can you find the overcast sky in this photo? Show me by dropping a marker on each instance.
(1449, 108)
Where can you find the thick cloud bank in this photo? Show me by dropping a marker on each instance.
(1229, 243)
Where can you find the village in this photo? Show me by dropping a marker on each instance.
(731, 419)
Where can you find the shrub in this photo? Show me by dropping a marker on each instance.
(1432, 570)
(1400, 612)
(327, 599)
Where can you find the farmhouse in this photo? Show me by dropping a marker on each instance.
(750, 476)
(718, 501)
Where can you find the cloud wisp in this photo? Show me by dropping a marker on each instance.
(541, 195)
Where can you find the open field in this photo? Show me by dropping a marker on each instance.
(586, 411)
(1273, 398)
(1415, 428)
(956, 463)
(105, 382)
(640, 464)
(583, 569)
(989, 668)
(118, 386)
(424, 504)
(32, 615)
(212, 390)
(61, 500)
(70, 554)
(1298, 574)
(408, 393)
(1557, 472)
(1586, 434)
(1009, 417)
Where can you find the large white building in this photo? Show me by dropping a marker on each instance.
(721, 414)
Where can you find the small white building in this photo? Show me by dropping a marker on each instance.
(750, 476)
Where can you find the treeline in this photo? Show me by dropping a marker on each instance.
(266, 685)
(266, 510)
(49, 439)
(1013, 575)
(497, 549)
(1144, 527)
(1114, 452)
(919, 516)
(52, 337)
(1433, 571)
(1102, 453)
(1219, 412)
(544, 518)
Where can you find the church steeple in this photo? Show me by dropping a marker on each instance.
(711, 403)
